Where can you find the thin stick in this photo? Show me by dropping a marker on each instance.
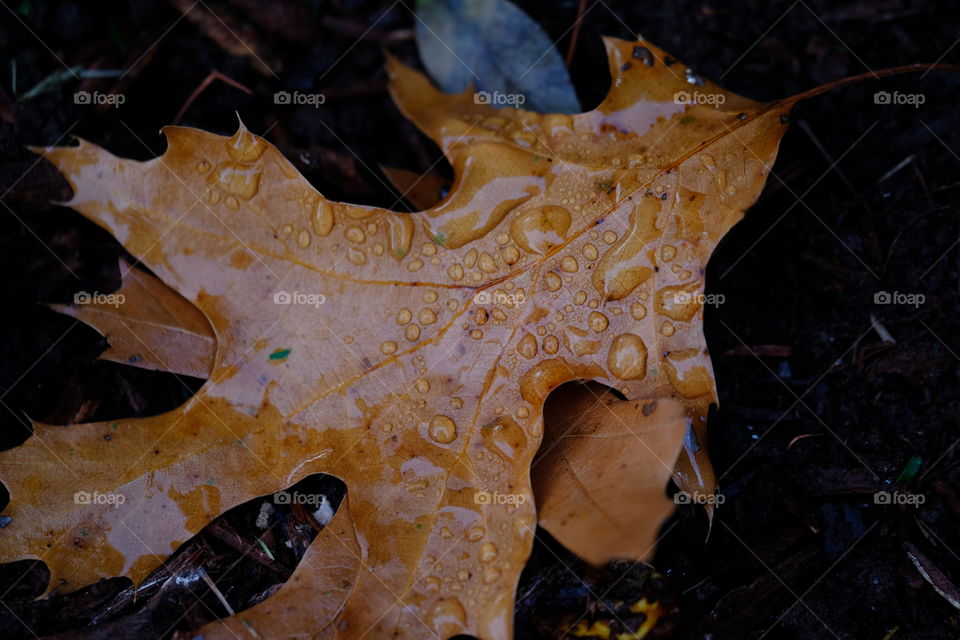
(576, 31)
(216, 592)
(214, 75)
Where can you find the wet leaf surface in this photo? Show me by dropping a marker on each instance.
(410, 355)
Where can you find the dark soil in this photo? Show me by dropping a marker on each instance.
(817, 412)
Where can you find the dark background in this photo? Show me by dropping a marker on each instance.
(817, 411)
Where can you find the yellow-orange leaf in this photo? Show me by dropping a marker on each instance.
(408, 354)
(149, 325)
(600, 474)
(421, 190)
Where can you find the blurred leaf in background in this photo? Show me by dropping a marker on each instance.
(498, 48)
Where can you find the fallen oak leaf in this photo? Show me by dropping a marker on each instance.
(604, 456)
(149, 325)
(571, 247)
(421, 190)
(311, 599)
(933, 575)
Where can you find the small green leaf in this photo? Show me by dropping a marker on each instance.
(266, 549)
(280, 354)
(910, 470)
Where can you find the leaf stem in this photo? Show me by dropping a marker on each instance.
(869, 75)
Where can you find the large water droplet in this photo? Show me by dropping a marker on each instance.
(627, 358)
(321, 219)
(475, 534)
(505, 438)
(552, 281)
(240, 180)
(527, 347)
(678, 303)
(355, 234)
(244, 146)
(539, 229)
(443, 429)
(388, 348)
(488, 552)
(687, 373)
(357, 256)
(597, 321)
(399, 233)
(551, 344)
(486, 263)
(480, 316)
(448, 617)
